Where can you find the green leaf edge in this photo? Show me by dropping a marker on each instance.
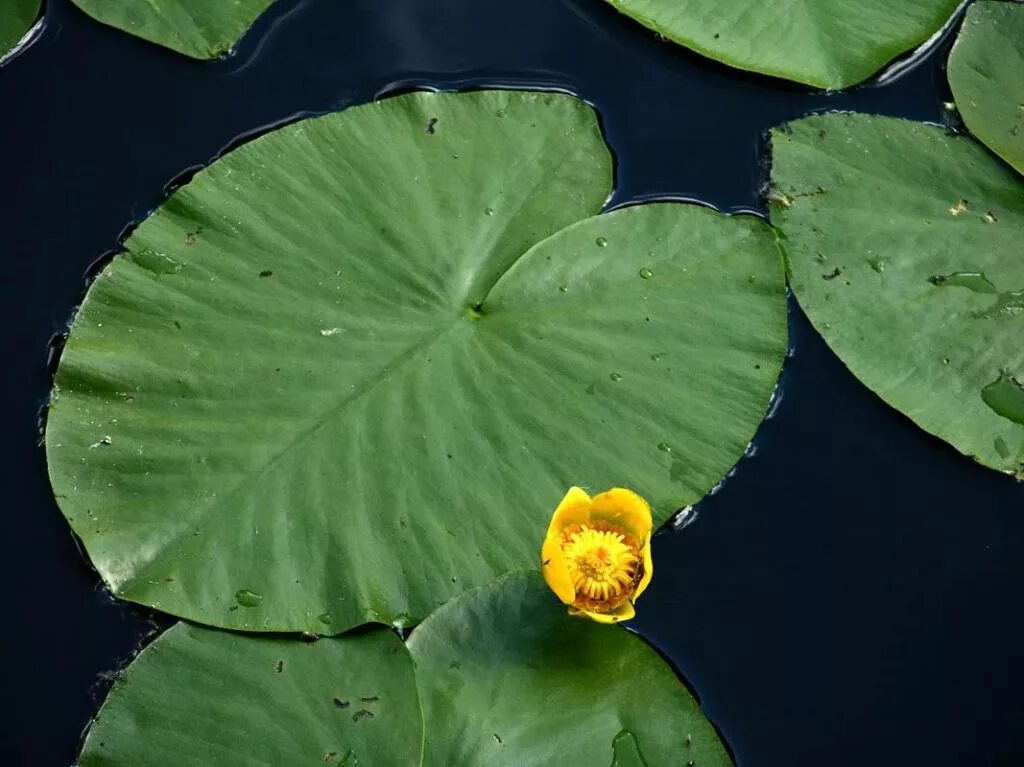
(209, 52)
(981, 9)
(10, 41)
(861, 75)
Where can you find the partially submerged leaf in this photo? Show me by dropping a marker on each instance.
(506, 677)
(827, 43)
(16, 18)
(986, 73)
(202, 29)
(905, 250)
(331, 382)
(197, 697)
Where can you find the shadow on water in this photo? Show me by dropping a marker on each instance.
(850, 596)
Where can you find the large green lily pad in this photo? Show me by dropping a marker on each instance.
(16, 18)
(507, 677)
(826, 43)
(348, 372)
(986, 73)
(502, 675)
(198, 697)
(905, 250)
(202, 29)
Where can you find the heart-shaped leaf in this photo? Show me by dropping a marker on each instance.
(348, 372)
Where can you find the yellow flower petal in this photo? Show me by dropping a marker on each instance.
(648, 562)
(624, 508)
(623, 613)
(556, 571)
(574, 509)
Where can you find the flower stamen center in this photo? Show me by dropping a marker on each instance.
(604, 564)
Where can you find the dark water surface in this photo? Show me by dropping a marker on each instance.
(852, 596)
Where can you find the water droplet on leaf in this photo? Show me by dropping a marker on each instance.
(1005, 396)
(247, 598)
(1001, 447)
(626, 751)
(1008, 304)
(158, 263)
(976, 282)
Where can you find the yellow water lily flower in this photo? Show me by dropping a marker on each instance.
(597, 553)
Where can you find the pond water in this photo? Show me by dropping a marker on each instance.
(850, 596)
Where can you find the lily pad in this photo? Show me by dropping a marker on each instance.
(826, 43)
(202, 29)
(904, 246)
(503, 674)
(347, 372)
(510, 679)
(16, 19)
(197, 697)
(986, 73)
